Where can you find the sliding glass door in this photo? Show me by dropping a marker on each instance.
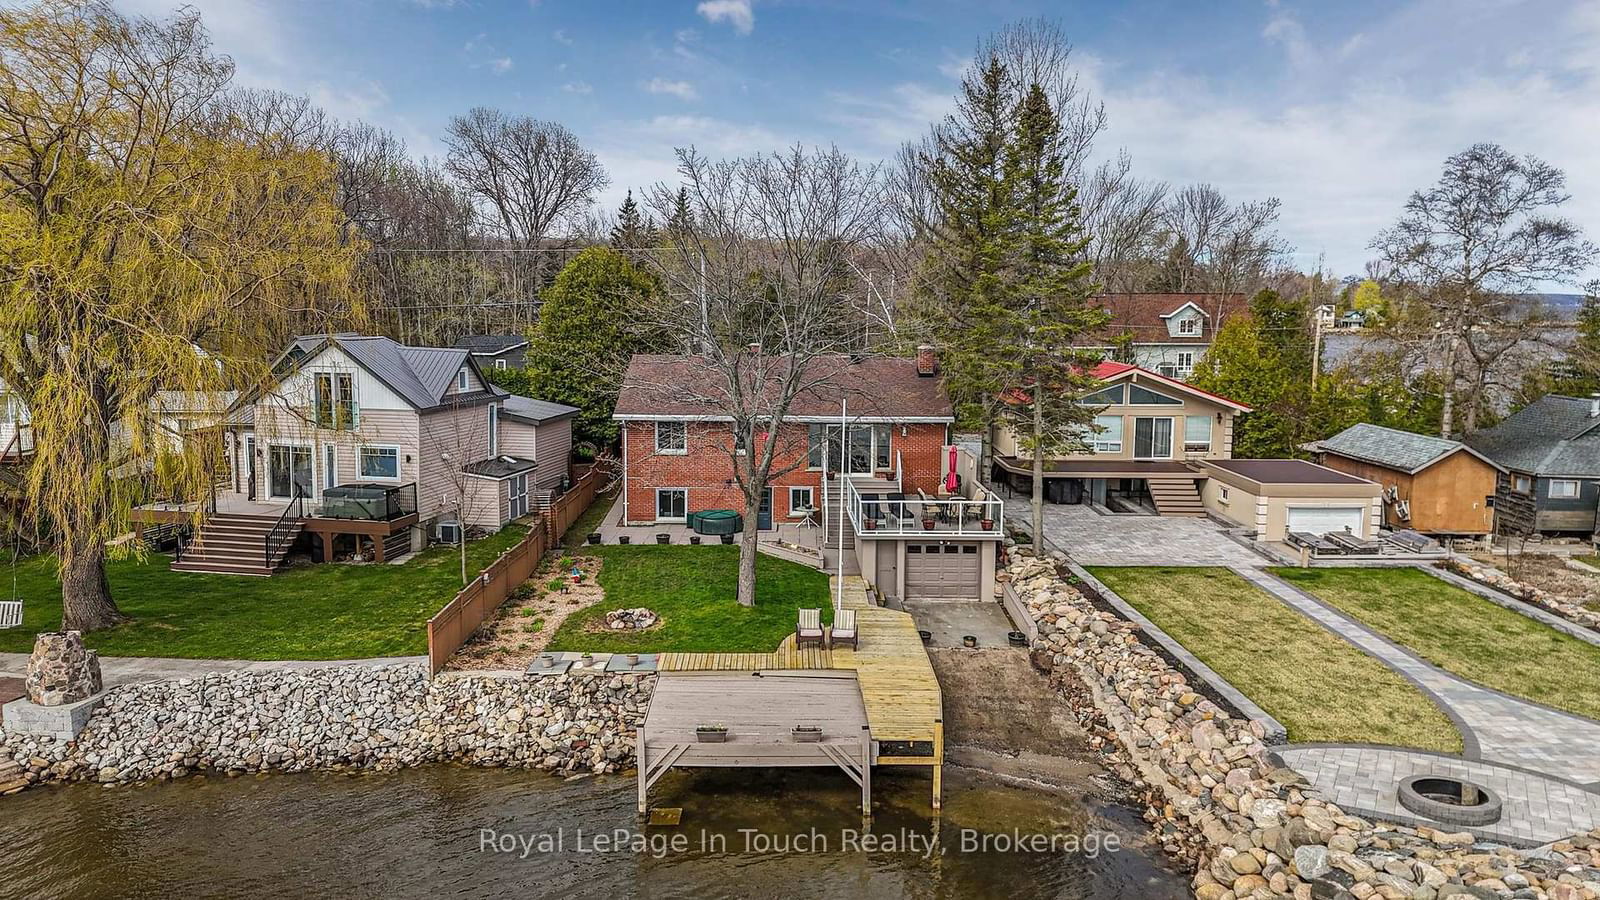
(289, 470)
(1152, 437)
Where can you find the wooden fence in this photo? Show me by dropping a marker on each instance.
(450, 627)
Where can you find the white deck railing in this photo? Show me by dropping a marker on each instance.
(900, 514)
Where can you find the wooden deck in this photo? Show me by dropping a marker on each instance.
(899, 695)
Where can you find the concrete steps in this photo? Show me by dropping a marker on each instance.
(1176, 497)
(232, 544)
(13, 777)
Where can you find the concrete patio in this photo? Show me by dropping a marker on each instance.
(1097, 539)
(612, 530)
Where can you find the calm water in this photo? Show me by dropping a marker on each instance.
(418, 834)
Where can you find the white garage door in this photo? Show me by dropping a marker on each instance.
(1323, 519)
(943, 570)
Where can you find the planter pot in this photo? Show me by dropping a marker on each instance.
(633, 659)
(594, 537)
(694, 539)
(968, 640)
(663, 538)
(806, 734)
(925, 635)
(586, 660)
(870, 524)
(711, 735)
(624, 539)
(1017, 639)
(988, 524)
(727, 539)
(927, 524)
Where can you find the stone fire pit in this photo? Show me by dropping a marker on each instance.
(636, 619)
(1450, 800)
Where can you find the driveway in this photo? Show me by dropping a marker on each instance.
(1093, 539)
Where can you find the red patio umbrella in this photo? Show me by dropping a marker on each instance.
(950, 476)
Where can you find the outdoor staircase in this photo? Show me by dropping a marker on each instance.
(1176, 497)
(833, 490)
(235, 544)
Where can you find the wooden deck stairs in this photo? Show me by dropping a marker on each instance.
(833, 490)
(1176, 497)
(234, 544)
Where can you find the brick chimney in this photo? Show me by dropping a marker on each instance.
(927, 361)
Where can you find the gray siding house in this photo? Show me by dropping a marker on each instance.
(1550, 454)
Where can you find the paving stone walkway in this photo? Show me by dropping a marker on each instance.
(1494, 726)
(1363, 781)
(1097, 539)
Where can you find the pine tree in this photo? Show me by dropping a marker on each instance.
(682, 219)
(634, 230)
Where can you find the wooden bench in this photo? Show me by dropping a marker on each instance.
(10, 613)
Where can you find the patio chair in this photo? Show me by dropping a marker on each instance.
(870, 507)
(10, 613)
(896, 507)
(808, 630)
(844, 629)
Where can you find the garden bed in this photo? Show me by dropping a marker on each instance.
(523, 626)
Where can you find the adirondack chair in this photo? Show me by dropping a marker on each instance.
(844, 629)
(10, 613)
(809, 628)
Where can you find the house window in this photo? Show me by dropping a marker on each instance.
(1521, 484)
(1196, 434)
(500, 364)
(494, 429)
(672, 437)
(1167, 369)
(1189, 326)
(1222, 494)
(461, 380)
(334, 402)
(380, 462)
(1109, 440)
(799, 499)
(1563, 489)
(816, 445)
(1186, 363)
(1140, 396)
(881, 436)
(672, 504)
(1110, 396)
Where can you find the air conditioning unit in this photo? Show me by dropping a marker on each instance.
(449, 532)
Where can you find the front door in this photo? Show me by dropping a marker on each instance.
(1152, 437)
(764, 512)
(289, 472)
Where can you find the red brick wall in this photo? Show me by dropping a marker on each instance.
(706, 470)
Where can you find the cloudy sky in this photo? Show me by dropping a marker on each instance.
(1339, 109)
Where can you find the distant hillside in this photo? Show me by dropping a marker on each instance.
(1563, 306)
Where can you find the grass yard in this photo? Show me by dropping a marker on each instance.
(591, 518)
(1321, 687)
(309, 612)
(1464, 634)
(693, 590)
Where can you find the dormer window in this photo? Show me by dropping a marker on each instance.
(1189, 326)
(461, 380)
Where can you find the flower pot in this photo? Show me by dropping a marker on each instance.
(633, 659)
(1017, 639)
(587, 660)
(663, 538)
(623, 539)
(711, 735)
(925, 635)
(927, 524)
(727, 539)
(594, 537)
(969, 641)
(870, 524)
(988, 524)
(806, 734)
(694, 539)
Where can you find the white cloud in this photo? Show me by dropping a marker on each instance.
(736, 13)
(578, 87)
(683, 90)
(481, 54)
(560, 36)
(1283, 28)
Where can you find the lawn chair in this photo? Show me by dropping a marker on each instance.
(808, 630)
(10, 613)
(896, 508)
(870, 508)
(844, 629)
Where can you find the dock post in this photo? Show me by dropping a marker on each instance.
(866, 773)
(938, 764)
(644, 784)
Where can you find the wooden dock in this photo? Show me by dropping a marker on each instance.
(891, 682)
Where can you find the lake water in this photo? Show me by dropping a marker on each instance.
(422, 833)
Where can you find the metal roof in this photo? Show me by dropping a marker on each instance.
(491, 344)
(500, 466)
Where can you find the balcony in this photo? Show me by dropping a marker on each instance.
(975, 512)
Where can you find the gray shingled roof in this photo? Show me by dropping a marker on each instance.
(1552, 436)
(491, 344)
(1390, 447)
(500, 466)
(534, 411)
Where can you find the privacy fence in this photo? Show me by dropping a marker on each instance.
(453, 625)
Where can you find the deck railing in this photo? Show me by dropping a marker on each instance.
(899, 514)
(370, 504)
(283, 531)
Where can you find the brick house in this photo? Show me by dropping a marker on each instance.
(886, 463)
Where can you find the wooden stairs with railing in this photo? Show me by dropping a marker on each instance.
(833, 491)
(1176, 497)
(235, 544)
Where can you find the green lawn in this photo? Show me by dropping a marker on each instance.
(591, 518)
(693, 589)
(1321, 687)
(1464, 633)
(310, 612)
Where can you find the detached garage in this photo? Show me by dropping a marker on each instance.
(1276, 496)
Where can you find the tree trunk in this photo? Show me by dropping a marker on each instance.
(86, 603)
(747, 549)
(1447, 412)
(1038, 470)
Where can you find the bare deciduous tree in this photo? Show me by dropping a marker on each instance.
(762, 299)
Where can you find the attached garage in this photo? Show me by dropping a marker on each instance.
(1323, 519)
(944, 570)
(1273, 497)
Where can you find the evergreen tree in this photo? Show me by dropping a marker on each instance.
(682, 219)
(1245, 366)
(633, 230)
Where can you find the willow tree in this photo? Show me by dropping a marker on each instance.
(146, 244)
